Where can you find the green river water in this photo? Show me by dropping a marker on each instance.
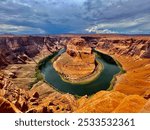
(102, 82)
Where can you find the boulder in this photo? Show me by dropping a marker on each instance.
(7, 107)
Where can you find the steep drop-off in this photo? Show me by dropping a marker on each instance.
(78, 64)
(19, 56)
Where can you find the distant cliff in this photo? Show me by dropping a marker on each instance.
(20, 49)
(131, 92)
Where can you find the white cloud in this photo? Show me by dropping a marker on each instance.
(7, 28)
(99, 31)
(137, 25)
(118, 24)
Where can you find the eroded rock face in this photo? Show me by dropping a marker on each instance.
(131, 104)
(77, 62)
(20, 54)
(54, 103)
(129, 51)
(129, 46)
(13, 94)
(146, 108)
(101, 102)
(41, 98)
(20, 50)
(113, 101)
(7, 107)
(44, 100)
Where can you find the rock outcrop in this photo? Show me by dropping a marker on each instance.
(41, 98)
(101, 102)
(77, 62)
(131, 104)
(21, 49)
(19, 56)
(7, 107)
(113, 101)
(146, 108)
(129, 46)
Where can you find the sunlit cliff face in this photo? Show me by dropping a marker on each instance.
(21, 58)
(78, 61)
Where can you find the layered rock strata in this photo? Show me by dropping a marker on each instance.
(77, 63)
(19, 56)
(41, 98)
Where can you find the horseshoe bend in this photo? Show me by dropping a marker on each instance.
(79, 70)
(78, 62)
(75, 73)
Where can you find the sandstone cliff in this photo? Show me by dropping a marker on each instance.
(20, 54)
(41, 98)
(21, 49)
(77, 62)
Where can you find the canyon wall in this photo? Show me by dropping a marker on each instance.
(19, 56)
(21, 49)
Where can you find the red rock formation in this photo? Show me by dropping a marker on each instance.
(131, 104)
(101, 102)
(7, 107)
(15, 49)
(77, 62)
(133, 52)
(146, 108)
(39, 99)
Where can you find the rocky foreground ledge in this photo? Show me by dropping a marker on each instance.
(19, 56)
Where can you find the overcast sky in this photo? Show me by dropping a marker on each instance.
(74, 16)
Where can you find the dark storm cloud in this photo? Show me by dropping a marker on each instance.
(118, 16)
(74, 16)
(115, 9)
